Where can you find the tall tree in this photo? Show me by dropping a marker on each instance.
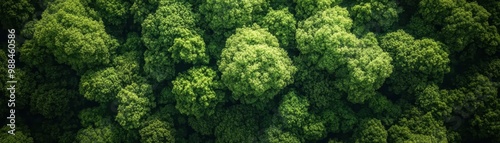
(74, 35)
(253, 66)
(326, 43)
(169, 35)
(416, 62)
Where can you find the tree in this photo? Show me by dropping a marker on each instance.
(416, 62)
(157, 131)
(293, 110)
(417, 126)
(253, 70)
(189, 48)
(238, 123)
(281, 24)
(476, 102)
(223, 16)
(314, 129)
(435, 12)
(383, 109)
(141, 9)
(462, 25)
(307, 8)
(101, 86)
(274, 134)
(374, 15)
(469, 25)
(170, 37)
(255, 54)
(95, 116)
(158, 65)
(128, 65)
(99, 134)
(326, 43)
(113, 12)
(197, 92)
(49, 90)
(371, 130)
(19, 137)
(493, 8)
(134, 102)
(318, 87)
(366, 71)
(435, 101)
(74, 36)
(15, 13)
(205, 125)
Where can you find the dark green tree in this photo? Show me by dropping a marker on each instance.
(274, 134)
(371, 130)
(134, 103)
(416, 62)
(435, 101)
(464, 26)
(140, 9)
(238, 123)
(19, 137)
(374, 15)
(15, 13)
(307, 8)
(99, 134)
(157, 131)
(416, 126)
(113, 12)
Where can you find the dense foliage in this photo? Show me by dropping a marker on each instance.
(253, 70)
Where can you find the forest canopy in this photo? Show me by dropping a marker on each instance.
(250, 71)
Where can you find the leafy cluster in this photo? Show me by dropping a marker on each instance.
(252, 71)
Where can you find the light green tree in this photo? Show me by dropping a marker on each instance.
(360, 65)
(74, 35)
(253, 66)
